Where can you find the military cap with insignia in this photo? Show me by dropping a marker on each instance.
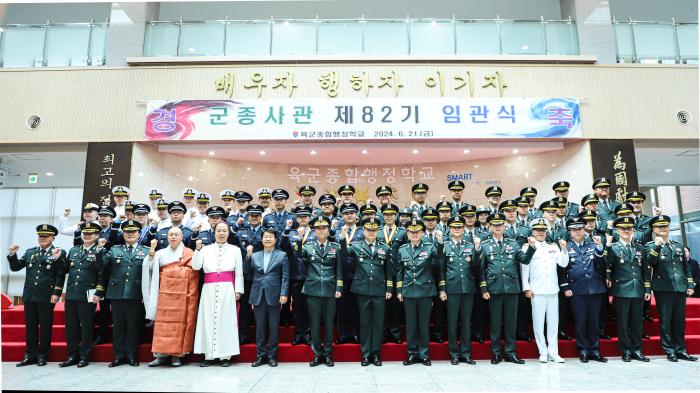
(508, 204)
(589, 198)
(162, 204)
(307, 190)
(660, 221)
(242, 196)
(635, 196)
(320, 222)
(346, 189)
(107, 211)
(561, 186)
(280, 194)
(121, 191)
(601, 182)
(263, 193)
(528, 192)
(405, 212)
(455, 185)
(624, 208)
(203, 197)
(493, 190)
(226, 195)
(254, 209)
(560, 201)
(130, 225)
(456, 221)
(155, 193)
(348, 208)
(420, 187)
(370, 223)
(467, 210)
(624, 222)
(90, 227)
(383, 190)
(522, 201)
(575, 223)
(189, 192)
(46, 230)
(389, 208)
(444, 206)
(91, 206)
(482, 210)
(415, 225)
(141, 208)
(176, 206)
(588, 215)
(538, 223)
(429, 214)
(550, 205)
(129, 205)
(326, 199)
(368, 208)
(302, 211)
(216, 211)
(496, 219)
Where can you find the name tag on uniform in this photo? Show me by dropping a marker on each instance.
(423, 254)
(380, 252)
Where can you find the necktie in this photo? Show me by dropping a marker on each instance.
(431, 237)
(471, 237)
(42, 253)
(323, 249)
(130, 249)
(605, 205)
(498, 243)
(371, 249)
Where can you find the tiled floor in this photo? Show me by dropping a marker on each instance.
(659, 374)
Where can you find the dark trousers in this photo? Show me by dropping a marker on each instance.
(245, 313)
(564, 311)
(524, 316)
(586, 310)
(371, 310)
(348, 318)
(267, 322)
(285, 314)
(80, 318)
(671, 307)
(459, 312)
(418, 325)
(321, 309)
(503, 308)
(38, 323)
(439, 318)
(602, 316)
(480, 315)
(392, 318)
(103, 319)
(628, 312)
(299, 309)
(128, 324)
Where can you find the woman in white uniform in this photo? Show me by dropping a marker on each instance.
(217, 322)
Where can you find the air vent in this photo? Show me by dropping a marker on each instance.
(33, 122)
(683, 117)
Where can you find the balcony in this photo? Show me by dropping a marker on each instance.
(656, 42)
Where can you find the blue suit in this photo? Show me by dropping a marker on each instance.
(268, 285)
(297, 275)
(278, 222)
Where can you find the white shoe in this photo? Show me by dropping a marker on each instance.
(543, 359)
(557, 359)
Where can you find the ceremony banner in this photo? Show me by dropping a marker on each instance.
(356, 119)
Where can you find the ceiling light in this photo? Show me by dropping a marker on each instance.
(415, 151)
(190, 178)
(515, 151)
(204, 161)
(525, 47)
(313, 152)
(211, 153)
(262, 152)
(364, 151)
(476, 166)
(466, 151)
(665, 170)
(433, 23)
(49, 173)
(249, 168)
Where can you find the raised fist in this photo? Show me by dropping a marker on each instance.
(562, 243)
(197, 227)
(658, 240)
(610, 223)
(193, 213)
(13, 249)
(198, 244)
(297, 202)
(301, 231)
(438, 236)
(657, 210)
(597, 240)
(56, 252)
(344, 231)
(477, 243)
(442, 198)
(608, 239)
(334, 223)
(531, 241)
(154, 244)
(122, 217)
(289, 223)
(249, 249)
(580, 209)
(239, 221)
(66, 212)
(101, 242)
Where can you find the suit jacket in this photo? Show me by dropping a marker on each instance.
(273, 282)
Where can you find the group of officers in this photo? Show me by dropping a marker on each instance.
(367, 269)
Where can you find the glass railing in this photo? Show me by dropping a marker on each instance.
(53, 45)
(656, 42)
(360, 37)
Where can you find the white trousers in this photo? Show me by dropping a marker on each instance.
(546, 306)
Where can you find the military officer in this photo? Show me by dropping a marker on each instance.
(328, 209)
(43, 285)
(419, 193)
(188, 197)
(307, 199)
(435, 236)
(323, 285)
(369, 210)
(177, 210)
(383, 194)
(405, 215)
(554, 230)
(628, 275)
(346, 194)
(250, 240)
(89, 214)
(500, 285)
(121, 283)
(198, 216)
(606, 205)
(529, 194)
(460, 260)
(278, 217)
(671, 282)
(482, 213)
(120, 194)
(493, 196)
(561, 189)
(84, 266)
(372, 285)
(238, 216)
(582, 281)
(456, 188)
(348, 319)
(227, 200)
(215, 215)
(416, 286)
(444, 209)
(394, 236)
(480, 307)
(162, 219)
(561, 210)
(523, 213)
(264, 196)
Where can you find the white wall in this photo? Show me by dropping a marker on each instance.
(682, 10)
(57, 12)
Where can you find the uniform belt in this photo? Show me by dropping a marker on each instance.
(210, 278)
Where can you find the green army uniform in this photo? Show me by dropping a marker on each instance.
(394, 238)
(629, 274)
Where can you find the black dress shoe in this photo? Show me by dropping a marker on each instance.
(496, 359)
(671, 357)
(26, 362)
(296, 341)
(355, 340)
(329, 361)
(41, 362)
(396, 340)
(583, 358)
(117, 363)
(226, 363)
(686, 356)
(259, 362)
(377, 361)
(454, 361)
(133, 362)
(69, 362)
(364, 362)
(426, 362)
(598, 358)
(272, 362)
(604, 336)
(317, 360)
(626, 357)
(83, 363)
(514, 359)
(467, 360)
(206, 363)
(412, 359)
(646, 336)
(639, 356)
(564, 336)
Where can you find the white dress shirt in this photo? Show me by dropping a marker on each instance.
(540, 276)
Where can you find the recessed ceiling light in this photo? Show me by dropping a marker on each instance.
(262, 152)
(466, 151)
(211, 153)
(433, 23)
(286, 23)
(476, 166)
(190, 178)
(313, 152)
(515, 151)
(415, 151)
(525, 47)
(364, 151)
(249, 168)
(140, 174)
(49, 173)
(665, 170)
(204, 161)
(554, 165)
